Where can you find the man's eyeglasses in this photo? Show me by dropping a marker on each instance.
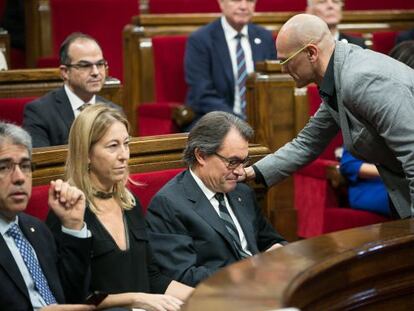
(88, 66)
(233, 163)
(296, 53)
(8, 166)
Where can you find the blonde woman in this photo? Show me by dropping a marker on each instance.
(122, 264)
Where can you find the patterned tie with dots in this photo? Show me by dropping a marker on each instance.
(32, 264)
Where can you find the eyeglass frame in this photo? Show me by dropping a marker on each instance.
(296, 53)
(88, 66)
(231, 165)
(11, 167)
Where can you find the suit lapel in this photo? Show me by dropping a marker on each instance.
(238, 204)
(204, 208)
(255, 44)
(10, 267)
(222, 50)
(64, 107)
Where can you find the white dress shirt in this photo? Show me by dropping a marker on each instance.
(75, 101)
(35, 298)
(210, 196)
(230, 33)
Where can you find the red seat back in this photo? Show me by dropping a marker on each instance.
(168, 52)
(183, 6)
(379, 5)
(102, 19)
(383, 41)
(314, 103)
(38, 206)
(151, 182)
(280, 5)
(11, 109)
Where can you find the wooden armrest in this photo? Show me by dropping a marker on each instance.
(182, 115)
(336, 179)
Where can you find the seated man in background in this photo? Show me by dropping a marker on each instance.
(220, 55)
(203, 220)
(330, 11)
(33, 273)
(83, 69)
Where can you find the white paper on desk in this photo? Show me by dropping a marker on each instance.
(135, 309)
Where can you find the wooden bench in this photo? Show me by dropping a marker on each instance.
(153, 161)
(139, 74)
(367, 268)
(18, 87)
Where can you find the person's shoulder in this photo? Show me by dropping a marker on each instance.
(32, 222)
(207, 30)
(259, 29)
(47, 99)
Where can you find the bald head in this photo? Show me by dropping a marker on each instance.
(302, 29)
(305, 45)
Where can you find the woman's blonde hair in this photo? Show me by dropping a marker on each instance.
(87, 129)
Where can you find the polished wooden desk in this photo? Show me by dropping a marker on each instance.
(366, 268)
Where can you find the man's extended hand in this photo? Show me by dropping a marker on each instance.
(68, 203)
(248, 174)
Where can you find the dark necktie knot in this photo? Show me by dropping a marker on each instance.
(219, 197)
(84, 106)
(239, 36)
(14, 231)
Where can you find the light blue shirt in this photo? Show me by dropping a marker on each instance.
(35, 298)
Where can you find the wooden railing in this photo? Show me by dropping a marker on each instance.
(366, 268)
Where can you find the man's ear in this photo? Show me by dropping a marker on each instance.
(200, 156)
(312, 52)
(64, 72)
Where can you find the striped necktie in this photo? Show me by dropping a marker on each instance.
(241, 74)
(229, 224)
(32, 264)
(85, 105)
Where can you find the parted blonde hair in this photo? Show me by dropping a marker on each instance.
(87, 129)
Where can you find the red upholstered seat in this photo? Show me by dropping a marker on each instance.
(151, 183)
(102, 19)
(280, 5)
(211, 6)
(183, 6)
(11, 109)
(38, 206)
(379, 4)
(319, 208)
(170, 87)
(383, 41)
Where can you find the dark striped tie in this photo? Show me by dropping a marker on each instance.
(84, 106)
(229, 224)
(241, 74)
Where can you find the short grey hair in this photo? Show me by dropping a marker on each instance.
(209, 132)
(11, 133)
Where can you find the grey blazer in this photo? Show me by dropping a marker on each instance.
(375, 96)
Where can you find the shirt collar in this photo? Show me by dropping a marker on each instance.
(207, 192)
(328, 83)
(5, 225)
(229, 32)
(74, 99)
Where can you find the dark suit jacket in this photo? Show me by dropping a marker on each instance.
(65, 269)
(404, 36)
(189, 239)
(351, 39)
(48, 119)
(208, 68)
